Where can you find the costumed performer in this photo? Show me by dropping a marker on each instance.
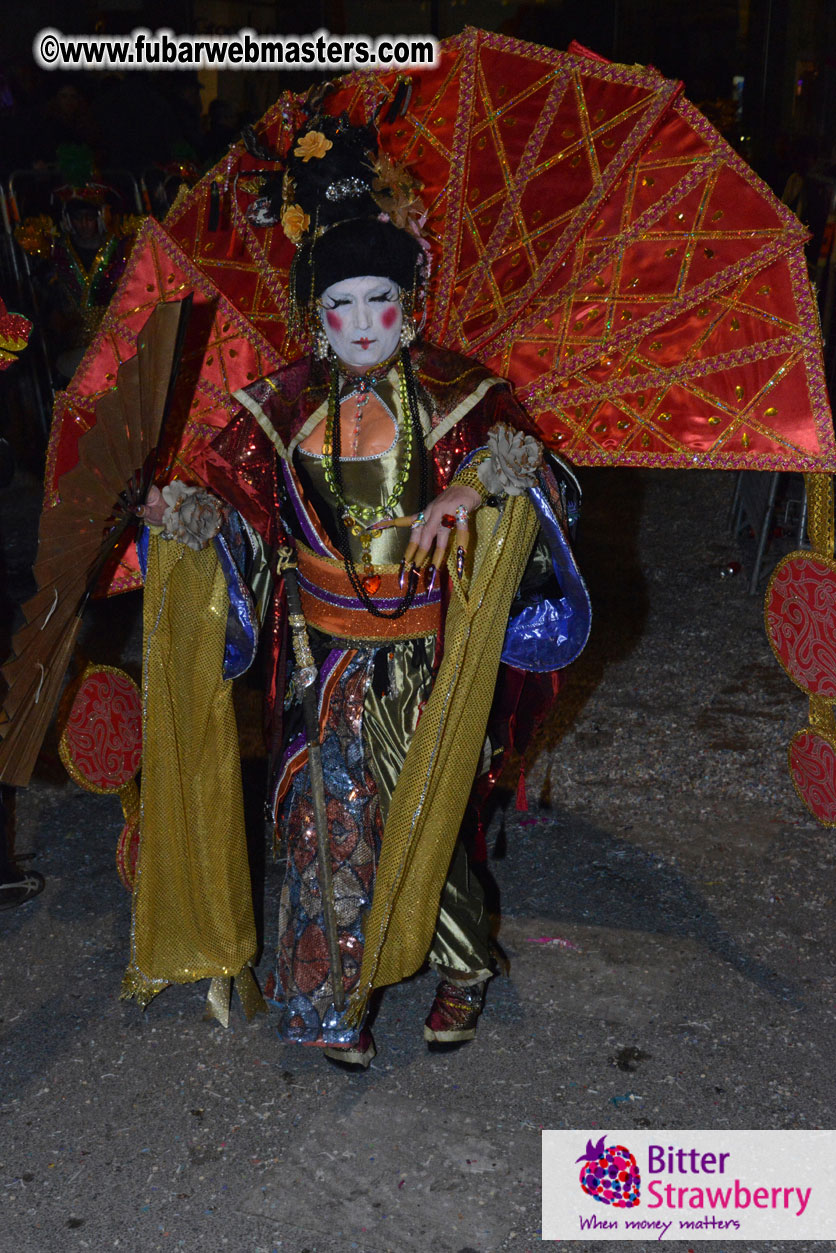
(423, 514)
(78, 257)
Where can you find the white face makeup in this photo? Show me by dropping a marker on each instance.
(362, 319)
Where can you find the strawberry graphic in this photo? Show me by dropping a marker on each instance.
(610, 1175)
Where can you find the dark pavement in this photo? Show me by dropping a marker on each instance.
(667, 909)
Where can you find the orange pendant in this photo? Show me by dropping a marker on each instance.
(370, 584)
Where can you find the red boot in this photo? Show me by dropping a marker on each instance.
(454, 1015)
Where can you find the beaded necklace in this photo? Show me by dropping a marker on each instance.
(352, 518)
(355, 515)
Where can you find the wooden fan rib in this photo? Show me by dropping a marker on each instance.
(67, 559)
(97, 457)
(32, 711)
(40, 635)
(157, 342)
(35, 643)
(72, 538)
(65, 588)
(112, 434)
(80, 490)
(82, 493)
(113, 410)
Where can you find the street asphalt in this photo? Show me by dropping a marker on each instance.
(666, 913)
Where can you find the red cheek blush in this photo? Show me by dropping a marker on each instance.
(334, 320)
(390, 316)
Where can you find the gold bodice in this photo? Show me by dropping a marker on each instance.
(369, 480)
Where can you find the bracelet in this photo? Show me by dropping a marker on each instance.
(468, 475)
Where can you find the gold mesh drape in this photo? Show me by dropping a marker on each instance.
(192, 904)
(820, 530)
(432, 792)
(820, 513)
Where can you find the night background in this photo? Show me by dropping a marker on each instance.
(666, 900)
(764, 70)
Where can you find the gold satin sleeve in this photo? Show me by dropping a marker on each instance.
(432, 791)
(192, 903)
(461, 943)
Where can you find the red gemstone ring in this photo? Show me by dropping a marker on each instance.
(448, 520)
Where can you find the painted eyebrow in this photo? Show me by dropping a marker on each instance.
(388, 294)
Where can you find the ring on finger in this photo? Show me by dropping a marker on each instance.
(461, 516)
(419, 521)
(448, 520)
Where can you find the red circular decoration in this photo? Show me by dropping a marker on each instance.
(127, 852)
(801, 621)
(101, 745)
(813, 771)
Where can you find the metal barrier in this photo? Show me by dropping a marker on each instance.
(32, 376)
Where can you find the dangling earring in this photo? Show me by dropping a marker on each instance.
(408, 328)
(321, 345)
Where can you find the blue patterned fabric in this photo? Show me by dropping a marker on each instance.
(550, 631)
(235, 555)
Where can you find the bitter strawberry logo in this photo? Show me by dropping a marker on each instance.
(610, 1175)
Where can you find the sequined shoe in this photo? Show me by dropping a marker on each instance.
(353, 1056)
(454, 1015)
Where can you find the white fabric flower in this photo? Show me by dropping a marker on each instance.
(512, 465)
(194, 516)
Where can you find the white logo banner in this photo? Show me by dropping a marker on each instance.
(688, 1185)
